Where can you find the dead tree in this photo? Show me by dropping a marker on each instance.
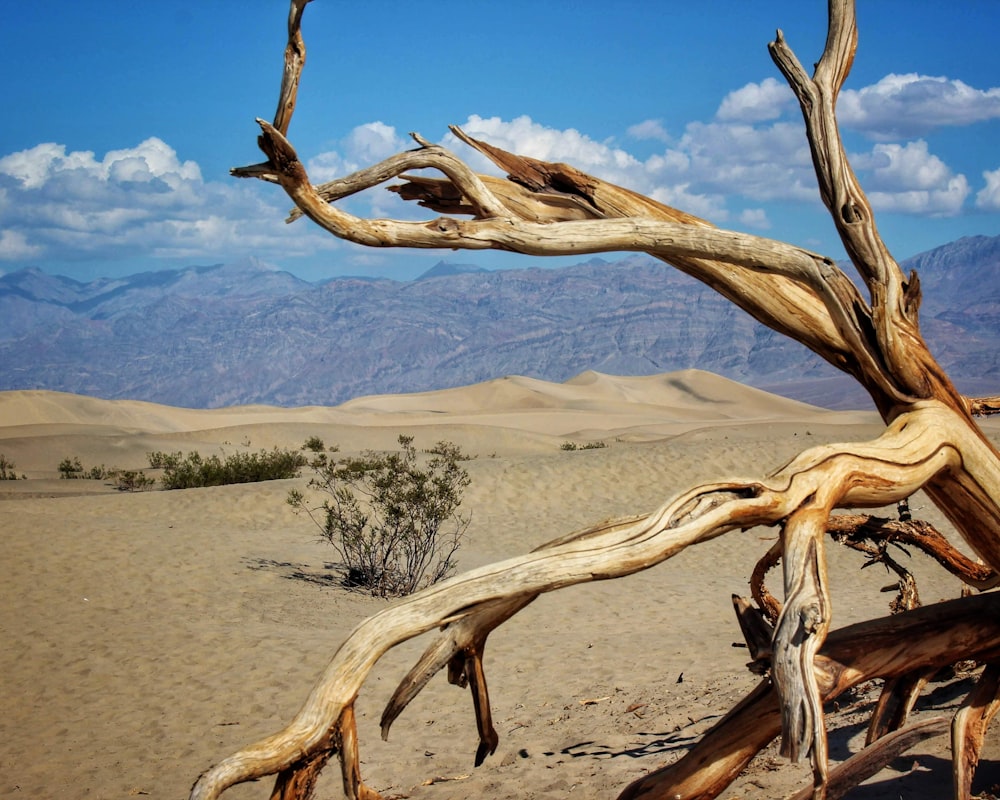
(930, 442)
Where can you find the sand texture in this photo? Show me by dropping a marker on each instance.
(148, 635)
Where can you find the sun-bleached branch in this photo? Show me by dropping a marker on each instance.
(931, 442)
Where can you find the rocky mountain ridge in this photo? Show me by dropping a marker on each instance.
(205, 337)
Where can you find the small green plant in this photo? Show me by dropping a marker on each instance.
(193, 470)
(131, 480)
(73, 469)
(587, 446)
(7, 472)
(393, 520)
(315, 444)
(70, 469)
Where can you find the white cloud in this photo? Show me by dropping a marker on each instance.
(945, 201)
(910, 179)
(988, 197)
(373, 141)
(760, 163)
(755, 218)
(905, 106)
(756, 102)
(151, 159)
(14, 246)
(365, 145)
(60, 205)
(526, 137)
(649, 129)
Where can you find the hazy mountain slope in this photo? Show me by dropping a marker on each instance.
(247, 333)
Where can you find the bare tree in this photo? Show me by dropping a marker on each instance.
(930, 442)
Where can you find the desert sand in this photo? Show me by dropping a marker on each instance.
(148, 635)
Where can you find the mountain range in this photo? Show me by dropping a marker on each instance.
(246, 333)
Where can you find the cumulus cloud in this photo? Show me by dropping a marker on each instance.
(908, 178)
(14, 246)
(756, 102)
(755, 218)
(649, 129)
(365, 145)
(906, 106)
(151, 160)
(61, 205)
(988, 198)
(761, 163)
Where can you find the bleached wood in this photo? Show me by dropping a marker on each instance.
(969, 728)
(915, 447)
(931, 441)
(927, 637)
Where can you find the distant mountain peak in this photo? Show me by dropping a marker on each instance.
(239, 333)
(445, 268)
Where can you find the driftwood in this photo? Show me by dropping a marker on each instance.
(931, 442)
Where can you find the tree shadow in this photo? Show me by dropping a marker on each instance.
(917, 773)
(331, 575)
(652, 743)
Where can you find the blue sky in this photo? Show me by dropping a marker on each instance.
(122, 119)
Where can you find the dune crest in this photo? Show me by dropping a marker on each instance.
(591, 402)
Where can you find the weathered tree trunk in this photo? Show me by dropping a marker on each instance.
(931, 442)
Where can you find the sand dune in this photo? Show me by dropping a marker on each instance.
(146, 636)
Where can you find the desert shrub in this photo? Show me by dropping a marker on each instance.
(587, 446)
(70, 468)
(131, 480)
(193, 470)
(7, 467)
(126, 480)
(160, 460)
(73, 469)
(393, 520)
(315, 444)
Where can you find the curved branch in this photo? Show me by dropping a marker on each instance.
(931, 441)
(915, 448)
(969, 728)
(795, 292)
(295, 60)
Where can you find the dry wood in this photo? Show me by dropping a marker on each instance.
(929, 637)
(931, 442)
(969, 728)
(874, 757)
(916, 446)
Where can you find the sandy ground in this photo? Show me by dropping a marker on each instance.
(146, 636)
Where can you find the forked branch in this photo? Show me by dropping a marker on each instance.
(931, 441)
(915, 448)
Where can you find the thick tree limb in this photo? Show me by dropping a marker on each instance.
(928, 637)
(916, 447)
(876, 756)
(969, 728)
(931, 442)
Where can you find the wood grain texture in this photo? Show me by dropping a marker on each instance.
(930, 442)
